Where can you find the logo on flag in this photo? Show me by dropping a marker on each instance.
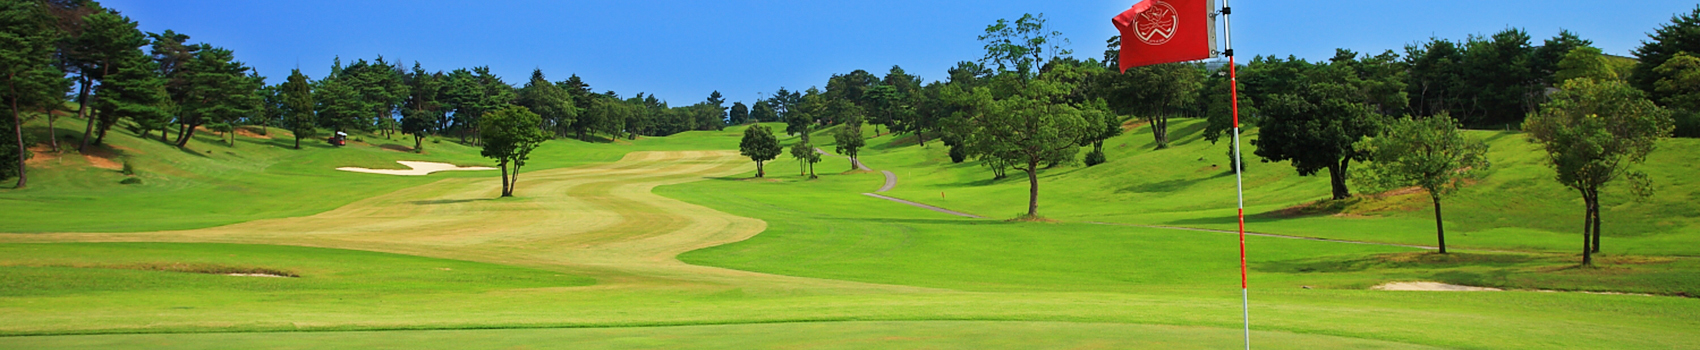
(1158, 24)
(1163, 31)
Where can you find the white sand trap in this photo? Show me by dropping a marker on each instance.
(419, 168)
(1432, 287)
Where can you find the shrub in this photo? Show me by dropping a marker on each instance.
(129, 169)
(1095, 158)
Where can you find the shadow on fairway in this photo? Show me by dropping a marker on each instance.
(449, 201)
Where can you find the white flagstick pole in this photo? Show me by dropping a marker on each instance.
(1239, 179)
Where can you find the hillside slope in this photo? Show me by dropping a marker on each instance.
(211, 183)
(1516, 206)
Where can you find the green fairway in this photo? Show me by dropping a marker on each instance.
(834, 335)
(584, 258)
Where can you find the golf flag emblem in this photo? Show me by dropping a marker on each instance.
(1156, 25)
(1164, 31)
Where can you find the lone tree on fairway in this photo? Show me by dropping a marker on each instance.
(1430, 153)
(509, 135)
(1593, 131)
(298, 107)
(1028, 130)
(850, 140)
(806, 157)
(760, 145)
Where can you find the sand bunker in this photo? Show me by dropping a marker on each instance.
(1432, 287)
(419, 168)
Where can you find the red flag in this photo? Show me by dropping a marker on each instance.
(1163, 31)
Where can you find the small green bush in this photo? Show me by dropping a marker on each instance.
(128, 169)
(1095, 158)
(131, 181)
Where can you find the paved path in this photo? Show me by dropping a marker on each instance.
(927, 207)
(890, 181)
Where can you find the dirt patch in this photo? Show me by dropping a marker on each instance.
(255, 275)
(104, 158)
(40, 154)
(761, 179)
(1134, 123)
(1025, 218)
(245, 132)
(397, 148)
(1431, 287)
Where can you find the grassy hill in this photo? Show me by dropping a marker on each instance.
(1516, 207)
(211, 183)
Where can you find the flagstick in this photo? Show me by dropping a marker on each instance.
(1239, 180)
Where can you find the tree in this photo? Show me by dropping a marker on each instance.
(1022, 46)
(806, 157)
(849, 139)
(760, 145)
(30, 81)
(1549, 55)
(740, 114)
(1154, 93)
(1499, 81)
(70, 20)
(1593, 133)
(1682, 34)
(713, 115)
(298, 106)
(1584, 62)
(1315, 124)
(1025, 130)
(763, 112)
(1681, 89)
(1430, 153)
(423, 109)
(508, 135)
(106, 42)
(219, 89)
(1101, 124)
(134, 91)
(548, 100)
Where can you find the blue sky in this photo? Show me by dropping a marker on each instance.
(682, 50)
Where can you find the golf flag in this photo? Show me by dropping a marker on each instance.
(1164, 31)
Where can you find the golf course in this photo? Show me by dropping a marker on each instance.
(669, 242)
(164, 191)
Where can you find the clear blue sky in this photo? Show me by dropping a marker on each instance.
(682, 50)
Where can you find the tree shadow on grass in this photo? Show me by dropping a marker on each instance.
(448, 201)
